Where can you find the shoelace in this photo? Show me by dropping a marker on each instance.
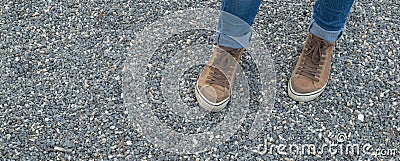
(218, 77)
(313, 59)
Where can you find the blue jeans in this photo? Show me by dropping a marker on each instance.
(237, 16)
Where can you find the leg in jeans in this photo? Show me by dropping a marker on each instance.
(234, 25)
(329, 18)
(213, 88)
(311, 73)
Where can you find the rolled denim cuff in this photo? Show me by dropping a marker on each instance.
(232, 31)
(329, 36)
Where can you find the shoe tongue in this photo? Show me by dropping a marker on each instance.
(316, 57)
(233, 52)
(315, 53)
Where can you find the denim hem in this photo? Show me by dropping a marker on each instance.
(329, 36)
(232, 31)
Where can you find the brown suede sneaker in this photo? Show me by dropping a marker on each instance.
(214, 86)
(311, 73)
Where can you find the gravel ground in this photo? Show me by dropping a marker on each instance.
(61, 81)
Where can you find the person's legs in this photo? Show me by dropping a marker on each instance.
(213, 88)
(311, 73)
(329, 18)
(234, 25)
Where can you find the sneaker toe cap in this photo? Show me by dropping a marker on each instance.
(301, 84)
(211, 94)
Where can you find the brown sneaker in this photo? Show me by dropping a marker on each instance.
(213, 88)
(311, 73)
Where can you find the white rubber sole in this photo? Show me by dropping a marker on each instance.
(210, 106)
(303, 97)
